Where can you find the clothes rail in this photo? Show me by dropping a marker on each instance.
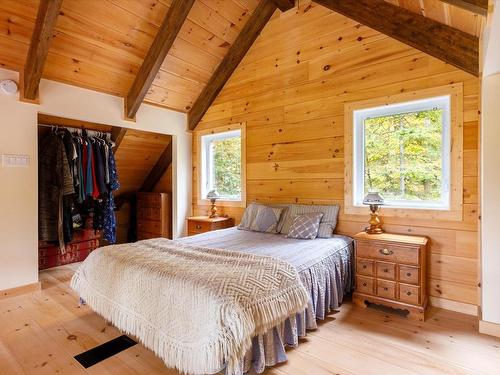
(90, 132)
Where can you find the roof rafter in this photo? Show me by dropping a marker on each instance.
(158, 170)
(475, 6)
(46, 18)
(436, 39)
(162, 43)
(236, 52)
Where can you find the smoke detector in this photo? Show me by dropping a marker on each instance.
(8, 86)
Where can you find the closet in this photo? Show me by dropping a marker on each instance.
(82, 174)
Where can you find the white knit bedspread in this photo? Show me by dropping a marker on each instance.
(196, 308)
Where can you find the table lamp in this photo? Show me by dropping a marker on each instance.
(374, 200)
(213, 196)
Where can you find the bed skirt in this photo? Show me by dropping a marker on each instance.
(326, 282)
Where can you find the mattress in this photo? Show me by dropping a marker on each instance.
(302, 254)
(325, 267)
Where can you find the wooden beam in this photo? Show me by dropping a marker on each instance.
(167, 33)
(436, 39)
(117, 135)
(284, 5)
(236, 52)
(48, 10)
(475, 6)
(158, 170)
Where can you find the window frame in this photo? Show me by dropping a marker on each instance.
(203, 166)
(452, 151)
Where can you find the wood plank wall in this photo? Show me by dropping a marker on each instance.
(290, 90)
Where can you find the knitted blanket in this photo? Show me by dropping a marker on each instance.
(196, 308)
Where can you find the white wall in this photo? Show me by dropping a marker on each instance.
(490, 171)
(19, 186)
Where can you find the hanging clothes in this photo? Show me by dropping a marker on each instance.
(89, 183)
(109, 229)
(54, 183)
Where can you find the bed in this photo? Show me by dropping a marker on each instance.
(325, 269)
(322, 269)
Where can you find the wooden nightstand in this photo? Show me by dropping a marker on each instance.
(390, 271)
(202, 224)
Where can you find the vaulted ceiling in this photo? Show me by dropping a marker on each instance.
(101, 44)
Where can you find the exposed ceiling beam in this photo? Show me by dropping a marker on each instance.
(48, 10)
(158, 170)
(436, 39)
(284, 5)
(117, 135)
(475, 6)
(236, 52)
(167, 33)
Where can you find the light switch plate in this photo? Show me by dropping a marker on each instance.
(14, 160)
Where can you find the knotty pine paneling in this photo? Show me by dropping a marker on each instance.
(291, 89)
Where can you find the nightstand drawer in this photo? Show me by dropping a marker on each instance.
(409, 294)
(199, 226)
(365, 267)
(365, 284)
(386, 289)
(386, 270)
(388, 252)
(409, 274)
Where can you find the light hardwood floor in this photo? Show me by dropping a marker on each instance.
(41, 332)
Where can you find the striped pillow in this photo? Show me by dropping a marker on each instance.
(328, 221)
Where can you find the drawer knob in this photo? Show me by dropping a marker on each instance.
(386, 251)
(364, 284)
(408, 274)
(386, 288)
(198, 226)
(408, 293)
(386, 270)
(364, 265)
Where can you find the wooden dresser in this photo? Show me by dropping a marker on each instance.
(390, 271)
(202, 224)
(153, 216)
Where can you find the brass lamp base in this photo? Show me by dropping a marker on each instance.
(375, 224)
(213, 210)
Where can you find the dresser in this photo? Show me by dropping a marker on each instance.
(391, 271)
(153, 216)
(202, 224)
(83, 243)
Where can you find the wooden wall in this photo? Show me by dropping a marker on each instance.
(290, 90)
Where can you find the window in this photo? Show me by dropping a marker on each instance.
(401, 146)
(402, 151)
(221, 163)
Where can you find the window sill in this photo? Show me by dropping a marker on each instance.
(403, 212)
(223, 203)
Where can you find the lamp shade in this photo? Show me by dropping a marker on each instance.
(212, 194)
(373, 197)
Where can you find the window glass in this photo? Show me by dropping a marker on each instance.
(222, 164)
(402, 151)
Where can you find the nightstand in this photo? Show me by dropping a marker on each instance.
(391, 271)
(202, 224)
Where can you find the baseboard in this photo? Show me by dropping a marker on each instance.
(489, 328)
(464, 308)
(23, 289)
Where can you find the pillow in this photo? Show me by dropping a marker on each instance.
(260, 218)
(305, 226)
(327, 224)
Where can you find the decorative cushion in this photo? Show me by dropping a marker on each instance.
(305, 226)
(260, 218)
(327, 224)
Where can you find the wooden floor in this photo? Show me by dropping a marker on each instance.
(41, 332)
